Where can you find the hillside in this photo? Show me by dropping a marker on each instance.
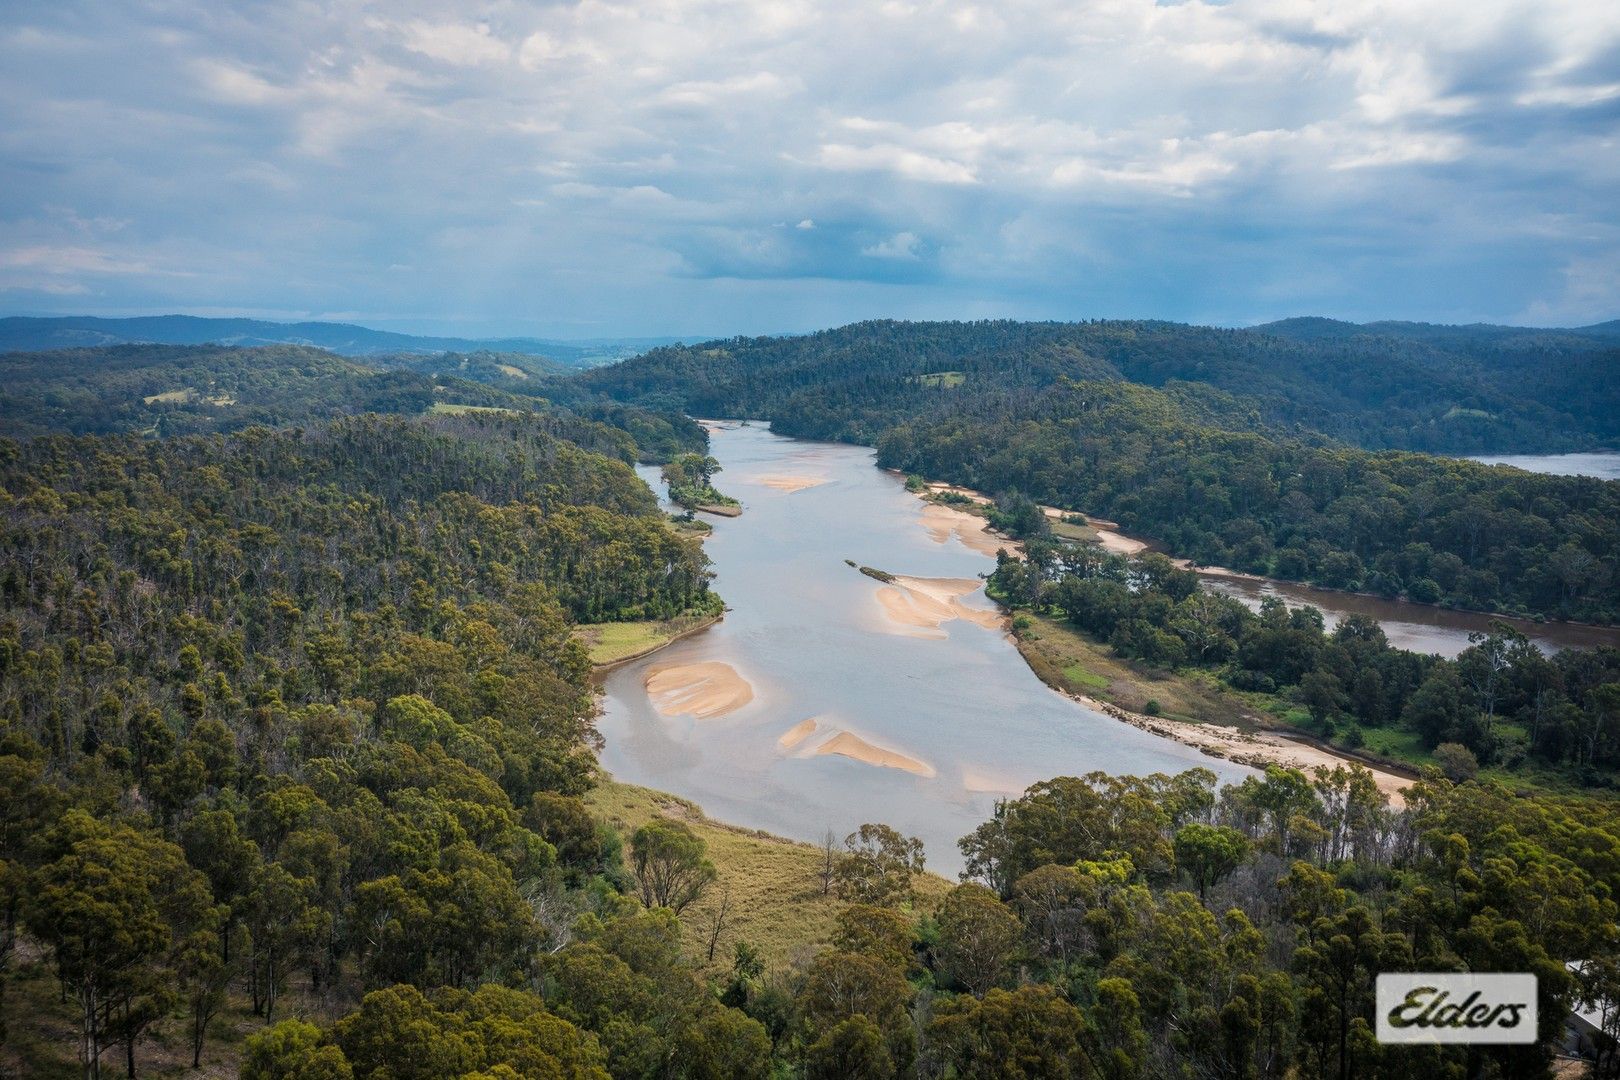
(1104, 419)
(1457, 393)
(25, 334)
(162, 390)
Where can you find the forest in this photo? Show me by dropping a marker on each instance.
(1219, 477)
(162, 390)
(1502, 702)
(1451, 390)
(296, 740)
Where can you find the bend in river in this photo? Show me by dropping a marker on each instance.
(827, 698)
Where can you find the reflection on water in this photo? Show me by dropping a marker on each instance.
(919, 726)
(1603, 464)
(1419, 627)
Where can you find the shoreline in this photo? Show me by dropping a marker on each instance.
(599, 670)
(1111, 539)
(1254, 749)
(1257, 749)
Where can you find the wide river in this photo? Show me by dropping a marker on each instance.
(959, 715)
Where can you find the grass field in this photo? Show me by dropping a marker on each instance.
(610, 643)
(445, 408)
(941, 380)
(776, 898)
(1068, 660)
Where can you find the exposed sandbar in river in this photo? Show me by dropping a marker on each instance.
(943, 522)
(850, 745)
(921, 606)
(787, 483)
(703, 690)
(796, 734)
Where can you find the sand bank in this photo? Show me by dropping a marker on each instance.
(703, 690)
(943, 522)
(796, 734)
(1257, 749)
(848, 744)
(1115, 542)
(982, 782)
(787, 482)
(921, 606)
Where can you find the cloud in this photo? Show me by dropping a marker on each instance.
(615, 167)
(902, 245)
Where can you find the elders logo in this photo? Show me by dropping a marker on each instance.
(1445, 1007)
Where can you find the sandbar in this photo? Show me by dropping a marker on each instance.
(796, 734)
(787, 482)
(982, 782)
(702, 690)
(920, 606)
(1118, 543)
(943, 522)
(848, 744)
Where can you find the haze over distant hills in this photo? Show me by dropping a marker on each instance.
(21, 333)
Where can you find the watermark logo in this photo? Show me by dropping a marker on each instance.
(1446, 1007)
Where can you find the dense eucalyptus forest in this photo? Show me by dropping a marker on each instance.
(295, 737)
(1233, 448)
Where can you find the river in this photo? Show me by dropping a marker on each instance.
(1602, 464)
(1420, 627)
(955, 706)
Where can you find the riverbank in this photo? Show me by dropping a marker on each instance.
(611, 645)
(1198, 713)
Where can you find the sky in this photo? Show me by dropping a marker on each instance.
(697, 167)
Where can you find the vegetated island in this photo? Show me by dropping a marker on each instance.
(690, 478)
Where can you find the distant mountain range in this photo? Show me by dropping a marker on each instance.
(1315, 328)
(25, 334)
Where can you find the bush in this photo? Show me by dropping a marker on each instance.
(1152, 708)
(1456, 761)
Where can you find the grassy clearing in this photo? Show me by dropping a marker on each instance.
(610, 643)
(446, 409)
(171, 397)
(1083, 534)
(776, 897)
(941, 380)
(1068, 660)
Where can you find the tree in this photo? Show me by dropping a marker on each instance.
(1456, 762)
(839, 986)
(828, 864)
(1051, 900)
(1209, 852)
(877, 865)
(716, 922)
(723, 1044)
(879, 932)
(111, 907)
(1030, 1033)
(853, 1049)
(1121, 1042)
(668, 861)
(977, 937)
(204, 977)
(292, 1050)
